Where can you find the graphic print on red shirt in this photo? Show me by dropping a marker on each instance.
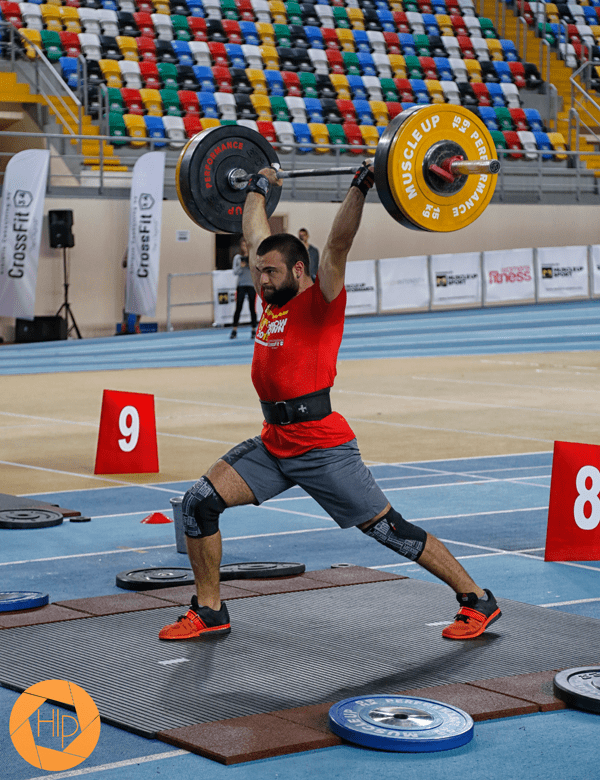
(295, 353)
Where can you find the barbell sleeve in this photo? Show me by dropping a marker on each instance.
(473, 167)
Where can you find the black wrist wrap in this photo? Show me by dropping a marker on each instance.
(364, 179)
(258, 183)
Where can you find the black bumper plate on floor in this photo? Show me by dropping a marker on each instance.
(300, 648)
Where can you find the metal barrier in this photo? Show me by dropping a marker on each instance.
(171, 305)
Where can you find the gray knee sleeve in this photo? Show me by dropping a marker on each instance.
(201, 507)
(393, 531)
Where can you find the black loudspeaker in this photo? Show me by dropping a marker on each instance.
(60, 224)
(40, 329)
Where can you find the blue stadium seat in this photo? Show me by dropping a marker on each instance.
(430, 24)
(536, 123)
(303, 136)
(420, 91)
(314, 37)
(68, 66)
(364, 115)
(359, 91)
(509, 50)
(183, 52)
(488, 116)
(361, 40)
(208, 105)
(196, 8)
(250, 33)
(543, 143)
(503, 71)
(204, 77)
(496, 94)
(236, 55)
(367, 64)
(444, 68)
(275, 83)
(407, 42)
(314, 110)
(386, 19)
(155, 129)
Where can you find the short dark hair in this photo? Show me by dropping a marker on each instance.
(291, 249)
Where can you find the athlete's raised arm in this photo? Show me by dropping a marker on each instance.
(332, 265)
(255, 224)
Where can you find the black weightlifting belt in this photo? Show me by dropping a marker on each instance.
(305, 408)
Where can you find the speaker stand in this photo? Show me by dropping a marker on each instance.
(66, 306)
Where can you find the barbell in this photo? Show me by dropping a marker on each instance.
(434, 170)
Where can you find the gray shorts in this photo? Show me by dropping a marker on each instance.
(335, 477)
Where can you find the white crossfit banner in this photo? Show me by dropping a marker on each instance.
(21, 230)
(143, 249)
(404, 283)
(361, 287)
(595, 261)
(508, 275)
(456, 279)
(224, 299)
(562, 272)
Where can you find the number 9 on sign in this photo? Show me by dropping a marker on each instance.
(587, 496)
(129, 426)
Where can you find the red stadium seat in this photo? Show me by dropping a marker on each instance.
(189, 102)
(197, 27)
(192, 125)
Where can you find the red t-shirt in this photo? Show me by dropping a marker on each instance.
(295, 353)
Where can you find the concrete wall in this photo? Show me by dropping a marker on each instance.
(97, 278)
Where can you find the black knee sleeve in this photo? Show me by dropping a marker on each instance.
(393, 531)
(201, 507)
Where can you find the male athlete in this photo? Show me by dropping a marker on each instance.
(302, 441)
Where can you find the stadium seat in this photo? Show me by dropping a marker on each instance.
(279, 109)
(262, 107)
(70, 45)
(364, 115)
(303, 137)
(398, 65)
(68, 68)
(420, 91)
(175, 131)
(111, 72)
(258, 80)
(488, 116)
(192, 126)
(405, 92)
(218, 54)
(320, 137)
(370, 137)
(133, 101)
(292, 84)
(379, 112)
(297, 109)
(117, 128)
(146, 48)
(504, 118)
(205, 78)
(208, 105)
(308, 82)
(496, 94)
(373, 87)
(482, 94)
(451, 92)
(347, 111)
(513, 144)
(155, 130)
(50, 16)
(136, 129)
(544, 144)
(267, 130)
(559, 145)
(388, 90)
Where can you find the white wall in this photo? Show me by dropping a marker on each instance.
(100, 226)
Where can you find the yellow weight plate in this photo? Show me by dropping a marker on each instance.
(419, 198)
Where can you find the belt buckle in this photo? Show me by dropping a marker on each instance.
(283, 412)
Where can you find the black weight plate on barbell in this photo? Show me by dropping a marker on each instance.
(382, 182)
(579, 687)
(29, 518)
(400, 723)
(261, 570)
(202, 175)
(14, 600)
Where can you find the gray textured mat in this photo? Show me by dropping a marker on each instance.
(288, 650)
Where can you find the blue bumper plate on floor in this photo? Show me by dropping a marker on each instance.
(13, 600)
(400, 723)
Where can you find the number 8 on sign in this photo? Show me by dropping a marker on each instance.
(587, 496)
(127, 435)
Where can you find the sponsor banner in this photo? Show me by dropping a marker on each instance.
(361, 287)
(21, 230)
(224, 292)
(143, 250)
(508, 275)
(595, 261)
(456, 279)
(404, 283)
(562, 272)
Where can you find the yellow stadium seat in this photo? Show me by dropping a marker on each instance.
(398, 65)
(495, 49)
(128, 47)
(266, 33)
(258, 81)
(445, 24)
(341, 86)
(206, 124)
(152, 101)
(380, 112)
(31, 36)
(346, 39)
(278, 12)
(356, 17)
(70, 19)
(559, 145)
(51, 17)
(319, 136)
(474, 70)
(436, 93)
(112, 73)
(270, 57)
(262, 106)
(370, 137)
(136, 129)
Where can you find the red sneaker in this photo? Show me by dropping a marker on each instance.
(198, 621)
(474, 616)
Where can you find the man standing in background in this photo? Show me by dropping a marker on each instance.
(245, 289)
(313, 252)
